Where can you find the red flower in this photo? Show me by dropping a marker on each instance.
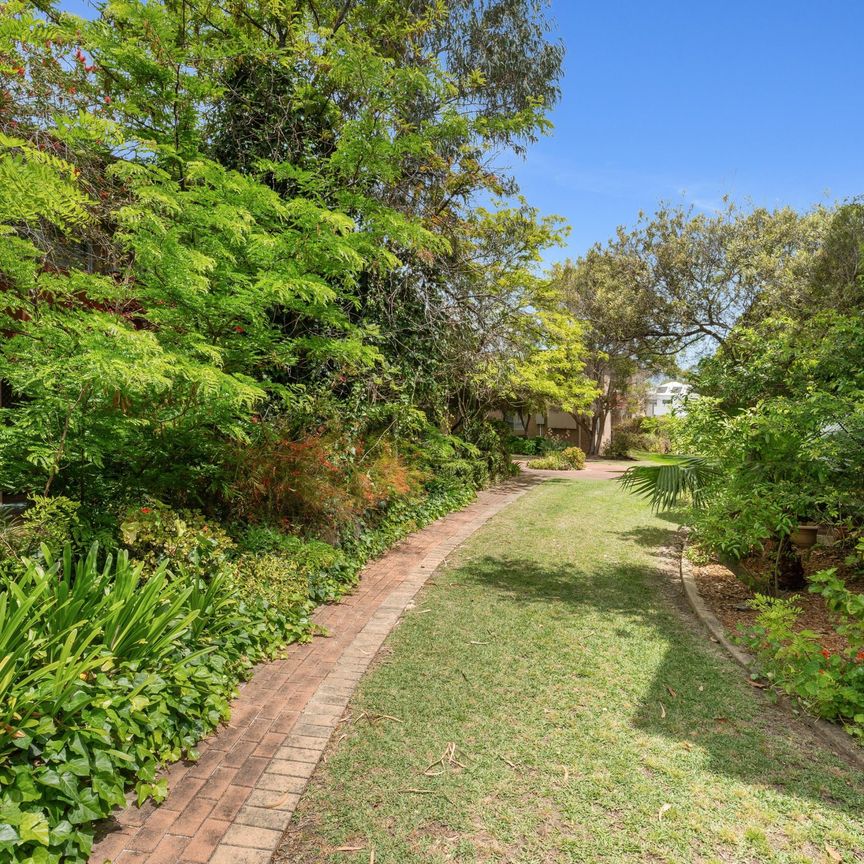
(826, 653)
(859, 657)
(239, 329)
(107, 100)
(19, 70)
(145, 510)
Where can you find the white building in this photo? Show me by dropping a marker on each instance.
(665, 398)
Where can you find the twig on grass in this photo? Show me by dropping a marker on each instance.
(374, 718)
(448, 757)
(427, 792)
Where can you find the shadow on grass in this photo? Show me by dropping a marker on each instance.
(742, 736)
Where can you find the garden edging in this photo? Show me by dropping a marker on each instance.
(833, 736)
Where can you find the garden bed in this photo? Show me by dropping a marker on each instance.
(729, 597)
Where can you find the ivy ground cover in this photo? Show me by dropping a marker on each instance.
(553, 703)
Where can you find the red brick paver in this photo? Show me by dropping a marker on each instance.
(232, 806)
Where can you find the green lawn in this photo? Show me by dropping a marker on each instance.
(660, 458)
(578, 718)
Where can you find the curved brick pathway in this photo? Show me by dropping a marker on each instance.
(232, 806)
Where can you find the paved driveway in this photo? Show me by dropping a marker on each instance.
(595, 469)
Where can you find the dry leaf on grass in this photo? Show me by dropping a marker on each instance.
(832, 853)
(664, 809)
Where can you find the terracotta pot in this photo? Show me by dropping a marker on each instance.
(804, 536)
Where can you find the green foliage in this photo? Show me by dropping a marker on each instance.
(243, 269)
(540, 445)
(575, 456)
(620, 445)
(108, 675)
(48, 521)
(156, 535)
(568, 459)
(280, 579)
(667, 485)
(105, 680)
(646, 434)
(829, 683)
(545, 369)
(317, 570)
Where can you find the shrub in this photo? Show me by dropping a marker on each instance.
(565, 460)
(829, 683)
(623, 441)
(320, 571)
(575, 456)
(49, 521)
(538, 446)
(450, 462)
(277, 578)
(648, 434)
(156, 533)
(320, 485)
(103, 680)
(660, 431)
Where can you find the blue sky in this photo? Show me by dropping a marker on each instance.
(688, 101)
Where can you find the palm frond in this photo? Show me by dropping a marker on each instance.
(667, 485)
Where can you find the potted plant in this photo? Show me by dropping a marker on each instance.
(804, 536)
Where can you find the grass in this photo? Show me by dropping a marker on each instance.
(557, 706)
(659, 458)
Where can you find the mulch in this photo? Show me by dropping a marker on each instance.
(728, 597)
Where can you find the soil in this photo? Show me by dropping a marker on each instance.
(728, 597)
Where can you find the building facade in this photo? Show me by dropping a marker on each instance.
(666, 398)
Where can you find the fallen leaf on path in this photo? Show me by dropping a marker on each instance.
(283, 800)
(758, 684)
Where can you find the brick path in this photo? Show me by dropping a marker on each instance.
(232, 806)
